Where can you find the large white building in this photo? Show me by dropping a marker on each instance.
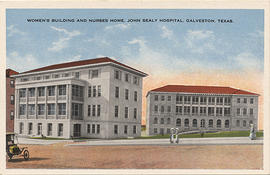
(200, 108)
(95, 98)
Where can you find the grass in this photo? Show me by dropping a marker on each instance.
(216, 134)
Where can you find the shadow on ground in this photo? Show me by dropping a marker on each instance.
(29, 160)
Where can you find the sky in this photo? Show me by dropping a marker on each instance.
(190, 53)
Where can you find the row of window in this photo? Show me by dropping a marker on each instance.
(244, 111)
(94, 129)
(127, 77)
(126, 112)
(41, 91)
(127, 96)
(96, 109)
(134, 131)
(41, 109)
(60, 129)
(245, 100)
(94, 91)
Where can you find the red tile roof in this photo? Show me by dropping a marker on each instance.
(81, 63)
(10, 72)
(202, 89)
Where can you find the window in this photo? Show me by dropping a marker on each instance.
(162, 98)
(162, 109)
(168, 130)
(135, 96)
(94, 91)
(251, 101)
(244, 123)
(125, 129)
(60, 129)
(250, 122)
(203, 100)
(61, 108)
(76, 111)
(98, 128)
(156, 97)
(219, 100)
(168, 120)
(47, 77)
(227, 101)
(117, 74)
(156, 108)
(134, 129)
(238, 100)
(210, 123)
(99, 90)
(155, 130)
(194, 123)
(155, 120)
(244, 111)
(98, 110)
(162, 121)
(62, 90)
(115, 129)
(179, 99)
(41, 91)
(245, 100)
(21, 128)
(126, 94)
(31, 92)
(77, 91)
(94, 73)
(211, 100)
(31, 109)
(186, 122)
(93, 128)
(218, 123)
(127, 77)
(251, 111)
(88, 128)
(178, 122)
(227, 124)
(77, 74)
(11, 115)
(22, 109)
(227, 111)
(115, 111)
(238, 123)
(194, 110)
(39, 129)
(211, 111)
(195, 100)
(12, 99)
(41, 109)
(24, 79)
(116, 92)
(219, 111)
(55, 76)
(22, 93)
(238, 111)
(93, 110)
(168, 109)
(202, 123)
(169, 98)
(65, 75)
(135, 113)
(49, 129)
(89, 110)
(179, 110)
(51, 109)
(202, 110)
(12, 84)
(30, 128)
(126, 112)
(89, 91)
(187, 99)
(51, 90)
(135, 80)
(186, 110)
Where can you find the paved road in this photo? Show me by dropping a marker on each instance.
(183, 141)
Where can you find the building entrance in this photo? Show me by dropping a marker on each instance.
(77, 130)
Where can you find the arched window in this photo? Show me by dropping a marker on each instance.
(250, 122)
(162, 121)
(210, 123)
(186, 122)
(244, 123)
(168, 120)
(218, 123)
(178, 122)
(194, 123)
(202, 123)
(155, 120)
(238, 123)
(227, 124)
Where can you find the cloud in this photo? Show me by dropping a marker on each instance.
(247, 61)
(22, 63)
(166, 33)
(257, 34)
(63, 41)
(99, 40)
(117, 26)
(200, 41)
(12, 30)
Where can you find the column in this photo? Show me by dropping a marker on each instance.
(46, 98)
(36, 100)
(56, 102)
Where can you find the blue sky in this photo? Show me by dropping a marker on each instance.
(153, 47)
